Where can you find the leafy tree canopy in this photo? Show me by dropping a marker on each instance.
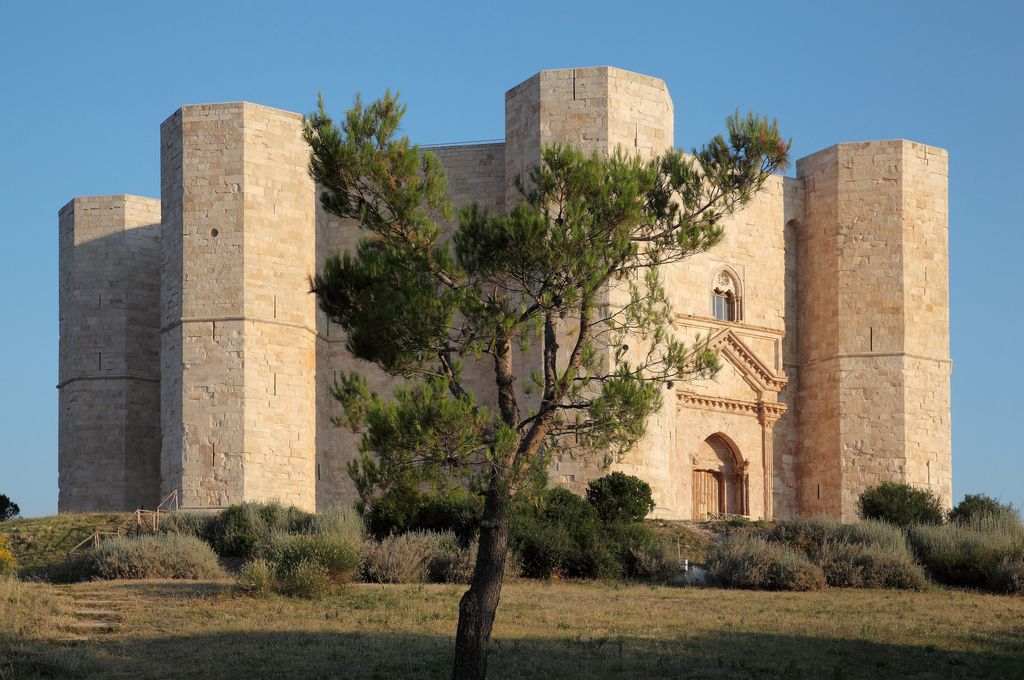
(8, 508)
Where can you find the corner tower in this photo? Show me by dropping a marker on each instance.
(874, 323)
(109, 384)
(238, 328)
(593, 109)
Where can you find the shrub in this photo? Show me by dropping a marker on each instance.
(859, 565)
(457, 511)
(342, 521)
(559, 536)
(967, 554)
(1008, 577)
(393, 511)
(900, 504)
(160, 556)
(202, 525)
(876, 534)
(7, 563)
(806, 535)
(241, 527)
(338, 556)
(454, 563)
(619, 497)
(403, 509)
(751, 562)
(639, 553)
(811, 535)
(978, 505)
(542, 547)
(417, 557)
(305, 579)
(256, 577)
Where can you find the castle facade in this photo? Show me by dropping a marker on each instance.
(193, 358)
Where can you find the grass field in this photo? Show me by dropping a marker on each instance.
(544, 630)
(43, 541)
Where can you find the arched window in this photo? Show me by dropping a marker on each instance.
(726, 303)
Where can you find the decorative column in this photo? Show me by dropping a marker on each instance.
(768, 416)
(743, 481)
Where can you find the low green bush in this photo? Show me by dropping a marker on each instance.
(457, 566)
(967, 554)
(338, 556)
(542, 547)
(751, 562)
(900, 504)
(618, 497)
(1008, 577)
(196, 523)
(976, 506)
(7, 563)
(859, 565)
(418, 557)
(256, 577)
(876, 534)
(306, 579)
(808, 535)
(159, 556)
(341, 520)
(243, 526)
(562, 536)
(404, 509)
(640, 554)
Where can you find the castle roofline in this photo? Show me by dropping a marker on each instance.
(577, 69)
(105, 197)
(230, 105)
(898, 140)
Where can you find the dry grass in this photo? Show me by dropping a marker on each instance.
(557, 630)
(41, 542)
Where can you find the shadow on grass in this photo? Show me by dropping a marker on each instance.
(353, 655)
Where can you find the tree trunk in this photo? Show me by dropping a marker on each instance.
(478, 605)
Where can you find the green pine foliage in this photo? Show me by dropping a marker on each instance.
(418, 301)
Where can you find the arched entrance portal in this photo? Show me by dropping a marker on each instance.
(719, 480)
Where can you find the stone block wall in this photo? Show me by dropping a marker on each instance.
(873, 323)
(238, 350)
(194, 358)
(109, 376)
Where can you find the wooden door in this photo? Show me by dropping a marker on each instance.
(707, 493)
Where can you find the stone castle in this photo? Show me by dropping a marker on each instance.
(193, 358)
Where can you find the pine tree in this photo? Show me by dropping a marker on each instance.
(575, 267)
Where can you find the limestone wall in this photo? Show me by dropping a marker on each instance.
(926, 366)
(835, 376)
(874, 284)
(109, 427)
(238, 350)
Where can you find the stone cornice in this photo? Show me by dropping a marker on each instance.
(718, 324)
(767, 411)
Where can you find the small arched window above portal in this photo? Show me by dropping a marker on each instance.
(726, 297)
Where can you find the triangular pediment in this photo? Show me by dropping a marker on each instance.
(745, 361)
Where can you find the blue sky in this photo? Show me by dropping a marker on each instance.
(84, 87)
